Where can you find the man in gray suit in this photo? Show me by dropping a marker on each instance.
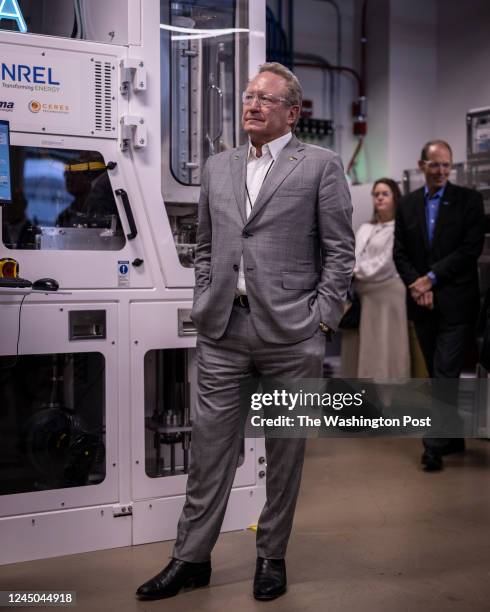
(274, 260)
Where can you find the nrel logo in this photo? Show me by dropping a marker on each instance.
(9, 9)
(18, 73)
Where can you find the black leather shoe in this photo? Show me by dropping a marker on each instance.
(177, 575)
(432, 461)
(270, 578)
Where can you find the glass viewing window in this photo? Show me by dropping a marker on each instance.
(62, 199)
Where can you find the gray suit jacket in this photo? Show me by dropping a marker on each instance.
(297, 244)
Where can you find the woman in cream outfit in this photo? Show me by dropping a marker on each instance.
(380, 348)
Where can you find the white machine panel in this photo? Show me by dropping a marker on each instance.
(39, 95)
(44, 329)
(153, 326)
(62, 533)
(243, 510)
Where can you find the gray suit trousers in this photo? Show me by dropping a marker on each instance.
(216, 443)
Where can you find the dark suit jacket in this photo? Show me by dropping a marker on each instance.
(456, 245)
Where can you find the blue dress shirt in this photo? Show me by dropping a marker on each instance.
(432, 204)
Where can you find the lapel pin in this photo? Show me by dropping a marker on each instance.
(292, 158)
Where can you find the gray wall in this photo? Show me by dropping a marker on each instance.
(439, 67)
(463, 60)
(412, 81)
(428, 63)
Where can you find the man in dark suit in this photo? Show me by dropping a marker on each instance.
(274, 260)
(439, 234)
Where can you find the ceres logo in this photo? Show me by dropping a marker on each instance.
(34, 106)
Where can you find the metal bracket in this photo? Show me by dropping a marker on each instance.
(133, 129)
(133, 72)
(122, 510)
(190, 165)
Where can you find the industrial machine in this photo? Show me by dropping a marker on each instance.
(478, 177)
(113, 108)
(478, 152)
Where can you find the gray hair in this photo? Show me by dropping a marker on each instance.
(294, 94)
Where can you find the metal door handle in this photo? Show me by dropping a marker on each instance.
(215, 132)
(129, 213)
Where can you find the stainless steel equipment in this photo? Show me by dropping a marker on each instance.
(478, 151)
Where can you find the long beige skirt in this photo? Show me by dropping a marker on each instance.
(380, 348)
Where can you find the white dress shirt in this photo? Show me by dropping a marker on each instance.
(257, 170)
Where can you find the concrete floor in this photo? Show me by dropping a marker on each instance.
(372, 532)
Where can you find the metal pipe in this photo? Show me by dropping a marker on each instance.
(316, 61)
(339, 30)
(354, 157)
(335, 84)
(364, 49)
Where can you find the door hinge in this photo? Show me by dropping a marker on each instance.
(133, 72)
(133, 129)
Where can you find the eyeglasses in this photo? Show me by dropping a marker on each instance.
(432, 165)
(264, 99)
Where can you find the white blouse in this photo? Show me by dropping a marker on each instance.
(374, 252)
